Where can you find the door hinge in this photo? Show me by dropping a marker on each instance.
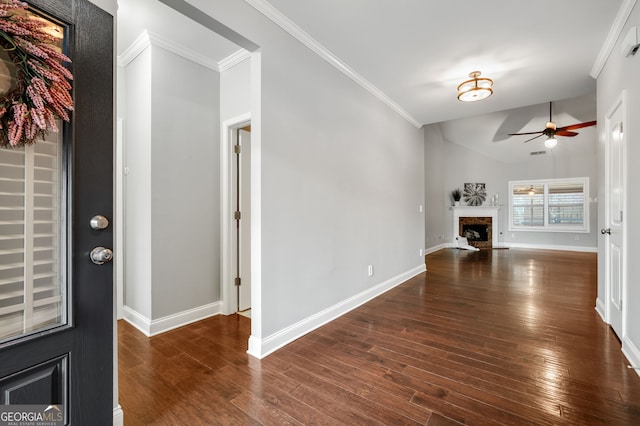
(237, 215)
(621, 216)
(237, 149)
(237, 281)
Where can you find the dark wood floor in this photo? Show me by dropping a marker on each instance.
(491, 337)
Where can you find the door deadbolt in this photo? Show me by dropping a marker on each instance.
(99, 222)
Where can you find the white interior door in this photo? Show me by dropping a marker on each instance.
(615, 215)
(244, 295)
(241, 180)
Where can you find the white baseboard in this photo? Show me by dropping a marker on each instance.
(255, 347)
(118, 416)
(600, 309)
(161, 325)
(631, 351)
(551, 247)
(260, 348)
(436, 248)
(136, 319)
(523, 246)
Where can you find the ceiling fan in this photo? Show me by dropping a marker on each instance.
(551, 131)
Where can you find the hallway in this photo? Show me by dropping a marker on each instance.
(489, 337)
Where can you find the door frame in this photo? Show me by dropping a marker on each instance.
(620, 102)
(227, 225)
(227, 231)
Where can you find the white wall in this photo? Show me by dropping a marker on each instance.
(185, 184)
(437, 200)
(341, 179)
(235, 91)
(620, 74)
(172, 186)
(466, 166)
(552, 166)
(137, 183)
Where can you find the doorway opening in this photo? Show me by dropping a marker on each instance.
(236, 215)
(239, 93)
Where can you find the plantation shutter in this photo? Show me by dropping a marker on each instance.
(528, 208)
(31, 291)
(566, 204)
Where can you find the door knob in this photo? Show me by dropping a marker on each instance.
(101, 255)
(605, 231)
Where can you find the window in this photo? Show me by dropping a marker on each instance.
(553, 205)
(31, 251)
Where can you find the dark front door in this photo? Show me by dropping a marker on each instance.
(56, 304)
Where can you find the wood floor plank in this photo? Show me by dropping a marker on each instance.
(495, 337)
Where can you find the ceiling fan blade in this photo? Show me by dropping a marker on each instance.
(535, 137)
(566, 133)
(528, 133)
(577, 126)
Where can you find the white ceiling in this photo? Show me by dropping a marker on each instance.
(416, 52)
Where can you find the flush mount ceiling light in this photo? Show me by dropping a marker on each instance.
(476, 89)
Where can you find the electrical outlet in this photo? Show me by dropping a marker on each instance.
(421, 253)
(577, 237)
(370, 270)
(420, 208)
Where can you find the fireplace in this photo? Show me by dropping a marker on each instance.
(479, 223)
(477, 230)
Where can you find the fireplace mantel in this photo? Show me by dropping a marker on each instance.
(476, 211)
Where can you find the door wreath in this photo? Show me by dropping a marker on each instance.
(40, 91)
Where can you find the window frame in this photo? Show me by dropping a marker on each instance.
(551, 227)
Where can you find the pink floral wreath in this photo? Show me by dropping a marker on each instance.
(29, 109)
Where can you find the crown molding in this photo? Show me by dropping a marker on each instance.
(148, 38)
(137, 47)
(610, 42)
(233, 60)
(173, 47)
(299, 34)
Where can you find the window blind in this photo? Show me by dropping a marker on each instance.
(31, 292)
(556, 205)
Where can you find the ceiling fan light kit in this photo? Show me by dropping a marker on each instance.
(551, 130)
(551, 142)
(475, 89)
